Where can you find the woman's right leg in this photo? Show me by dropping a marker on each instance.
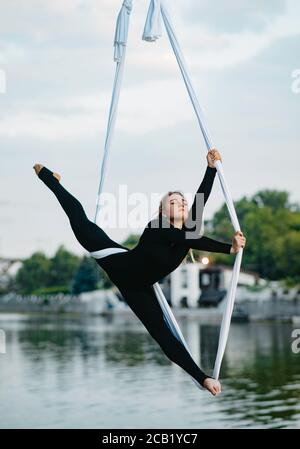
(145, 305)
(88, 234)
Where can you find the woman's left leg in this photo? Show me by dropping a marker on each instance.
(144, 304)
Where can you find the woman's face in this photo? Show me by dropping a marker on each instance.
(176, 207)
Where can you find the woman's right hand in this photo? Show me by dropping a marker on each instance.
(212, 385)
(238, 242)
(212, 156)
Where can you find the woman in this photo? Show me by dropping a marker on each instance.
(163, 245)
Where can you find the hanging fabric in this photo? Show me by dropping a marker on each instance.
(152, 31)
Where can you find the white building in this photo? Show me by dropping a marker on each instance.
(197, 284)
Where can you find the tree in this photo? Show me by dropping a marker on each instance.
(271, 225)
(33, 273)
(288, 256)
(63, 266)
(273, 199)
(86, 277)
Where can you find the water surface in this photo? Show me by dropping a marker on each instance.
(98, 372)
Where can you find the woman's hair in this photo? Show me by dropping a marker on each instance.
(160, 209)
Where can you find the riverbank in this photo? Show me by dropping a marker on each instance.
(108, 303)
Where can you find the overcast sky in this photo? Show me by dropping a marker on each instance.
(57, 57)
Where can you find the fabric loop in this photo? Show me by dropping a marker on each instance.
(121, 32)
(152, 31)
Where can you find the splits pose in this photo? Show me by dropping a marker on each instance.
(159, 251)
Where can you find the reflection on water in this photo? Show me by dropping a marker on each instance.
(110, 373)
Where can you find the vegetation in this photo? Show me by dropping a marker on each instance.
(269, 221)
(63, 273)
(271, 225)
(86, 277)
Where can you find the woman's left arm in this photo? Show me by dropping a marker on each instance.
(207, 244)
(215, 246)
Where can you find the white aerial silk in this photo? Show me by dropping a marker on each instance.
(152, 31)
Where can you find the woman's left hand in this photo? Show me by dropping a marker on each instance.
(238, 242)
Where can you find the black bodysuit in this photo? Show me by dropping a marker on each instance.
(161, 249)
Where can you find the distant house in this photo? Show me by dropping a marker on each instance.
(199, 285)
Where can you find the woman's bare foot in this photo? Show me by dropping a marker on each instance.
(212, 385)
(38, 167)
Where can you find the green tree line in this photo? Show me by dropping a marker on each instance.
(270, 222)
(271, 225)
(63, 273)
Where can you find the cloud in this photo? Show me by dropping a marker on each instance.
(33, 22)
(210, 48)
(58, 58)
(90, 25)
(143, 108)
(232, 15)
(59, 83)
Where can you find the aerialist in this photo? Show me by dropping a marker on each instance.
(162, 246)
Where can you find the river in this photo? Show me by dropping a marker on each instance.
(108, 372)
